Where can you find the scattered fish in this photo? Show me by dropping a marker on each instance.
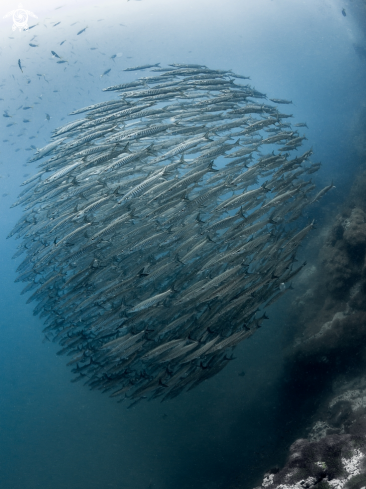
(118, 55)
(344, 13)
(83, 30)
(106, 72)
(20, 65)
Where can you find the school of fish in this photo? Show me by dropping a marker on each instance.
(160, 224)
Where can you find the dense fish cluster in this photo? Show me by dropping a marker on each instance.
(158, 226)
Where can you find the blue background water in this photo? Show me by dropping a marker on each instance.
(58, 434)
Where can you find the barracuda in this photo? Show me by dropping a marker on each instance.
(145, 270)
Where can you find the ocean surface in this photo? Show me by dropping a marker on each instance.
(234, 426)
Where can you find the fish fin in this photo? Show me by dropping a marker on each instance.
(126, 148)
(210, 165)
(173, 286)
(149, 150)
(177, 259)
(206, 135)
(241, 213)
(264, 186)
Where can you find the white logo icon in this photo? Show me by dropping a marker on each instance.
(20, 18)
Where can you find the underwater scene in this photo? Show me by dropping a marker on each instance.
(183, 244)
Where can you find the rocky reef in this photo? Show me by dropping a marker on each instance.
(334, 453)
(326, 362)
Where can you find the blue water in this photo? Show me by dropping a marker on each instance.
(228, 431)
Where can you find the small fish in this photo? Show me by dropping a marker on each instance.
(61, 43)
(118, 55)
(20, 65)
(344, 13)
(142, 67)
(26, 120)
(28, 107)
(242, 374)
(83, 30)
(11, 124)
(93, 49)
(48, 117)
(280, 101)
(31, 27)
(5, 114)
(62, 61)
(33, 45)
(55, 55)
(54, 25)
(106, 72)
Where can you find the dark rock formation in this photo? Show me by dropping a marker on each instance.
(326, 364)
